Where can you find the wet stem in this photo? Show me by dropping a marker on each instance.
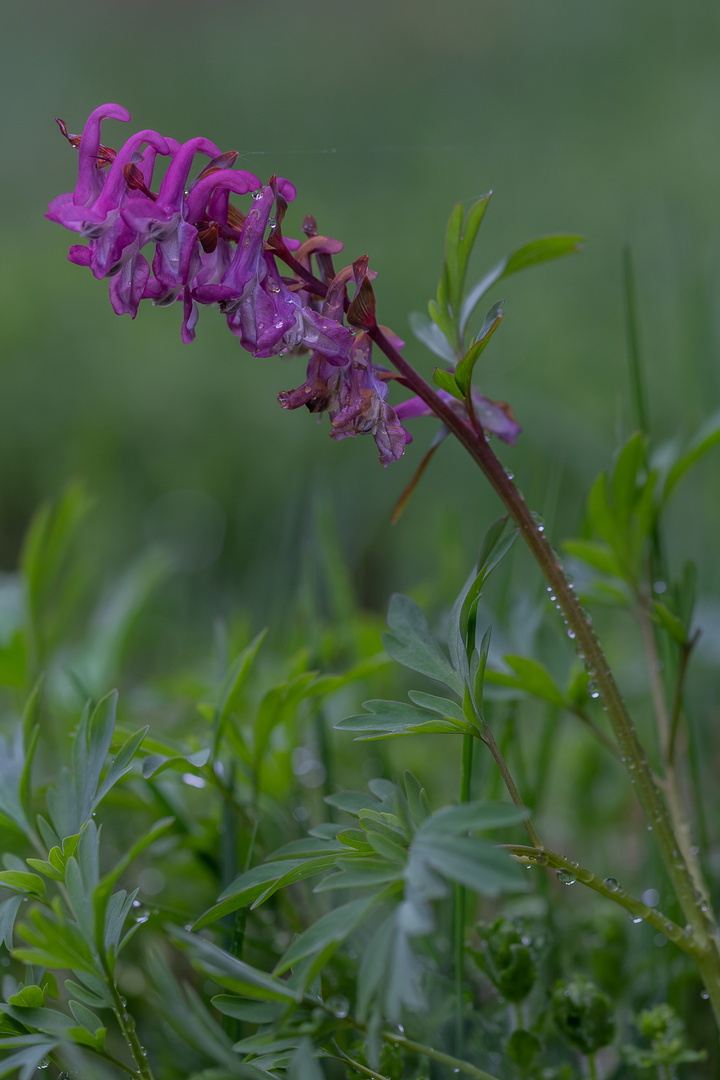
(459, 898)
(127, 1026)
(580, 630)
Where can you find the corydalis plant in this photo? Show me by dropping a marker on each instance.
(209, 252)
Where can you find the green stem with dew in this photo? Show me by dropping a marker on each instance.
(459, 895)
(580, 630)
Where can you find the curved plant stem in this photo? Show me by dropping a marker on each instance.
(456, 1064)
(608, 888)
(459, 898)
(581, 631)
(340, 1055)
(127, 1027)
(397, 1038)
(670, 782)
(489, 739)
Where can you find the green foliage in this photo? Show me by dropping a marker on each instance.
(583, 1013)
(665, 1031)
(443, 333)
(507, 960)
(183, 858)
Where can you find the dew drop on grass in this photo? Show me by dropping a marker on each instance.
(566, 878)
(612, 884)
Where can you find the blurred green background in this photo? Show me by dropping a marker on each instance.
(599, 119)
(591, 118)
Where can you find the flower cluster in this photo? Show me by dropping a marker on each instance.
(208, 252)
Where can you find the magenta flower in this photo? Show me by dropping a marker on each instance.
(353, 395)
(207, 251)
(260, 308)
(364, 408)
(93, 209)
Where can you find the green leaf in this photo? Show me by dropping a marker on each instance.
(418, 803)
(8, 913)
(430, 334)
(662, 615)
(398, 718)
(35, 1049)
(388, 825)
(232, 688)
(95, 1001)
(474, 218)
(43, 554)
(30, 997)
(253, 1012)
(600, 511)
(303, 1064)
(46, 868)
(534, 679)
(87, 1019)
(472, 817)
(31, 731)
(594, 554)
(71, 801)
(330, 930)
(470, 862)
(117, 909)
(13, 764)
(154, 764)
(439, 314)
(373, 965)
(464, 370)
(707, 437)
(244, 889)
(277, 706)
(530, 254)
(411, 643)
(52, 1022)
(309, 868)
(364, 873)
(452, 263)
(52, 942)
(352, 802)
(446, 381)
(23, 882)
(493, 549)
(234, 973)
(122, 763)
(624, 484)
(309, 847)
(444, 706)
